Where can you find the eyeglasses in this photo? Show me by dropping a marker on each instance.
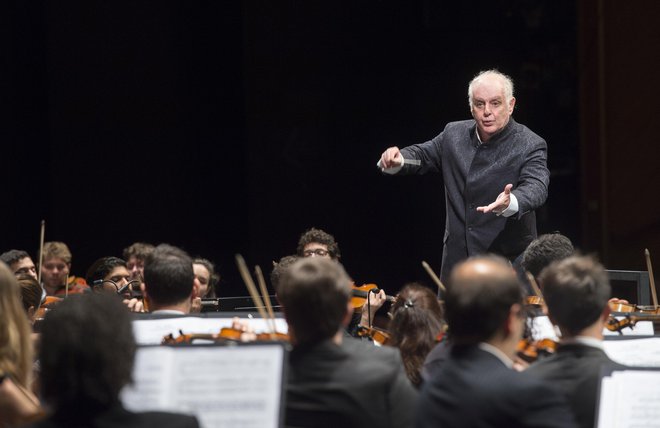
(120, 290)
(317, 252)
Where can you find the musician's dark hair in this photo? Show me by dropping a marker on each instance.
(102, 267)
(477, 304)
(214, 278)
(279, 268)
(321, 237)
(168, 275)
(31, 291)
(86, 353)
(544, 250)
(417, 320)
(139, 250)
(314, 293)
(576, 291)
(12, 256)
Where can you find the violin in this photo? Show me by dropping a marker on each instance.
(380, 336)
(617, 325)
(629, 307)
(531, 350)
(226, 334)
(534, 301)
(361, 293)
(49, 303)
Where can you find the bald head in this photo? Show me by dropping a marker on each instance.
(480, 295)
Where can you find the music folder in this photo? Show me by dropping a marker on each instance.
(237, 385)
(628, 397)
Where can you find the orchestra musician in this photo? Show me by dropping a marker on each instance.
(416, 326)
(318, 243)
(135, 256)
(19, 262)
(56, 271)
(86, 361)
(479, 159)
(334, 380)
(169, 285)
(576, 291)
(477, 385)
(18, 404)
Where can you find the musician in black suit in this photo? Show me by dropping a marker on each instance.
(489, 157)
(86, 357)
(333, 380)
(476, 386)
(576, 291)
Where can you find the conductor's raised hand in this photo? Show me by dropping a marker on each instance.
(501, 203)
(391, 158)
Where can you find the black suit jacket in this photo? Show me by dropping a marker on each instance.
(475, 389)
(353, 385)
(575, 369)
(118, 417)
(473, 176)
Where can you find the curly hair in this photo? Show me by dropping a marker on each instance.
(139, 250)
(321, 237)
(544, 250)
(12, 256)
(87, 352)
(417, 319)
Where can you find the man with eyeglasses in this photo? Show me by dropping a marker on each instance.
(318, 243)
(111, 275)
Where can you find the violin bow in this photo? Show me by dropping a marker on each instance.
(252, 289)
(649, 267)
(264, 293)
(434, 277)
(41, 249)
(535, 286)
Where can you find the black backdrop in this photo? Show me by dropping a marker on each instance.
(227, 127)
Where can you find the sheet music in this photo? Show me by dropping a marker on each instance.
(152, 331)
(630, 399)
(224, 386)
(542, 328)
(634, 352)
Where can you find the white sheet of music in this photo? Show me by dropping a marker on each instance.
(542, 328)
(224, 386)
(634, 352)
(630, 399)
(152, 331)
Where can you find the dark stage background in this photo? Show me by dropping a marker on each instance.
(231, 127)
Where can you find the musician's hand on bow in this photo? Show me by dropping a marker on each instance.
(500, 204)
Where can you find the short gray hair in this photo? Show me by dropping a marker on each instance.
(507, 83)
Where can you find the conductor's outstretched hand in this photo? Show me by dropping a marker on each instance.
(390, 158)
(501, 203)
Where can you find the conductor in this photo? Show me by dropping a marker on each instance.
(494, 171)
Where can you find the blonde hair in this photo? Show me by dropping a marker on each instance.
(15, 331)
(57, 249)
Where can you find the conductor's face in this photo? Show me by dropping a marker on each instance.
(490, 108)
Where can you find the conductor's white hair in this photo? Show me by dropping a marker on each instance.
(507, 84)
